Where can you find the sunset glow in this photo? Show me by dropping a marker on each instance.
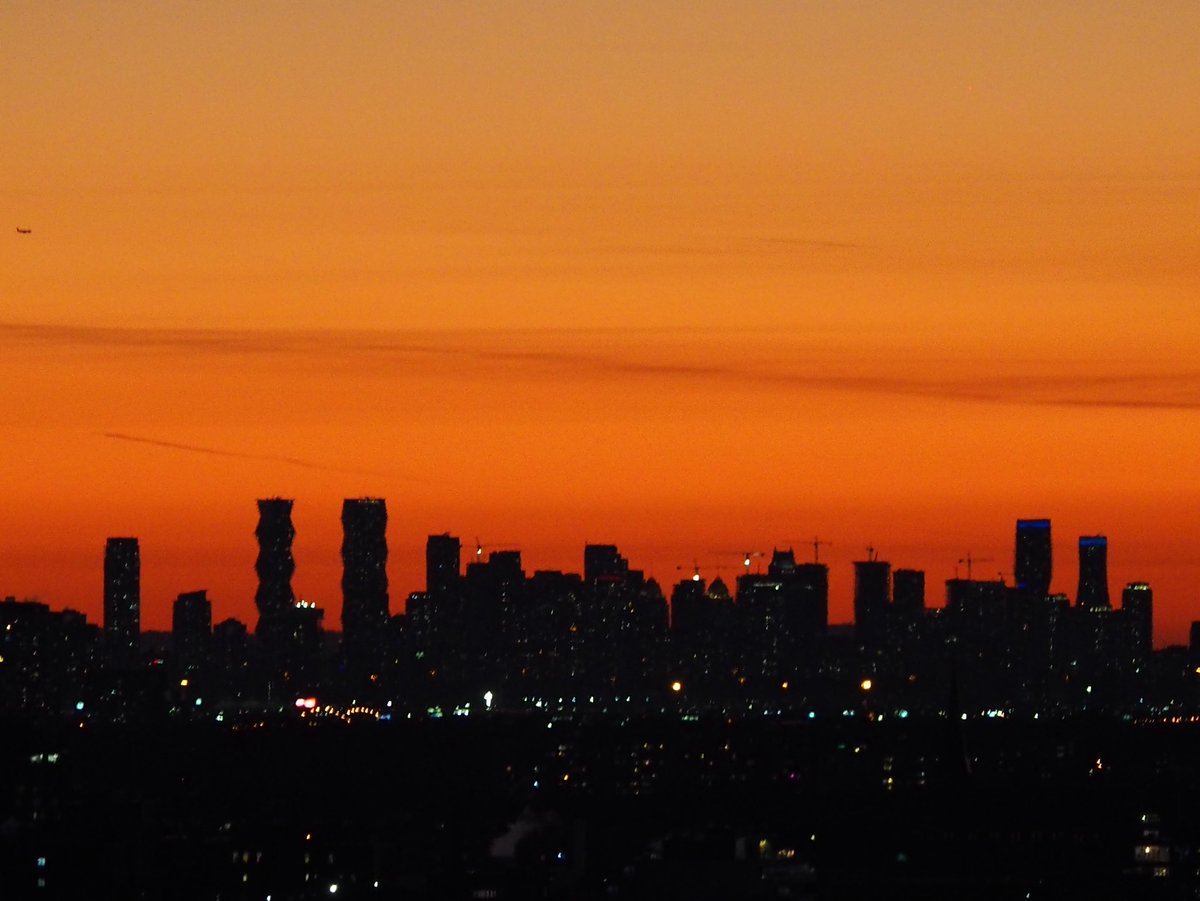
(690, 279)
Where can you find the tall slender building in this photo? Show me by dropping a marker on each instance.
(122, 600)
(191, 628)
(1137, 603)
(443, 565)
(1032, 568)
(275, 564)
(908, 592)
(872, 590)
(1093, 573)
(365, 610)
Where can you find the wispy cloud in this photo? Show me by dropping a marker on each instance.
(270, 458)
(753, 357)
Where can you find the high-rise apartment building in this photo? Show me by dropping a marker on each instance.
(1137, 603)
(872, 590)
(908, 592)
(275, 565)
(1093, 573)
(191, 628)
(122, 600)
(443, 565)
(1032, 568)
(365, 610)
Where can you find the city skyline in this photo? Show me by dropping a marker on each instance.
(364, 579)
(686, 279)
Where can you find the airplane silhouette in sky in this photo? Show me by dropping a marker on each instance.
(24, 231)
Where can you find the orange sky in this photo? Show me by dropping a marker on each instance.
(692, 278)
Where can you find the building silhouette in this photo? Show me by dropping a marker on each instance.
(275, 565)
(191, 628)
(443, 565)
(872, 590)
(1093, 573)
(908, 592)
(365, 610)
(1033, 565)
(1137, 603)
(122, 600)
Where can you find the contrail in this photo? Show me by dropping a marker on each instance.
(217, 452)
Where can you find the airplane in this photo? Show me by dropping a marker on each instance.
(24, 231)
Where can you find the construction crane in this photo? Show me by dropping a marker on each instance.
(695, 568)
(493, 545)
(817, 544)
(748, 556)
(970, 561)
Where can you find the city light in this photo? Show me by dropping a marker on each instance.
(677, 686)
(865, 684)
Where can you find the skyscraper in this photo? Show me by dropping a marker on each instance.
(908, 592)
(122, 600)
(1137, 603)
(364, 577)
(1093, 573)
(443, 565)
(191, 628)
(872, 590)
(603, 563)
(1032, 568)
(274, 565)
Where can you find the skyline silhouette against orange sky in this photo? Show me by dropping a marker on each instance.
(686, 278)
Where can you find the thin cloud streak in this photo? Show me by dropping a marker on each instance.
(568, 353)
(269, 458)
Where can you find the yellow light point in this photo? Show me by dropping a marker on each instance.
(676, 686)
(183, 683)
(784, 686)
(865, 684)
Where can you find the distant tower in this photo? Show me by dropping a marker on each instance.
(443, 565)
(1033, 559)
(872, 584)
(1093, 573)
(191, 628)
(908, 592)
(275, 565)
(1137, 603)
(122, 600)
(603, 563)
(364, 576)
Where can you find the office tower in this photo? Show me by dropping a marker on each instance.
(274, 565)
(602, 562)
(1093, 573)
(908, 592)
(783, 563)
(689, 606)
(1033, 558)
(1137, 603)
(365, 610)
(804, 598)
(122, 600)
(443, 563)
(191, 628)
(872, 588)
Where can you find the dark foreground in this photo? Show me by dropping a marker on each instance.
(523, 807)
